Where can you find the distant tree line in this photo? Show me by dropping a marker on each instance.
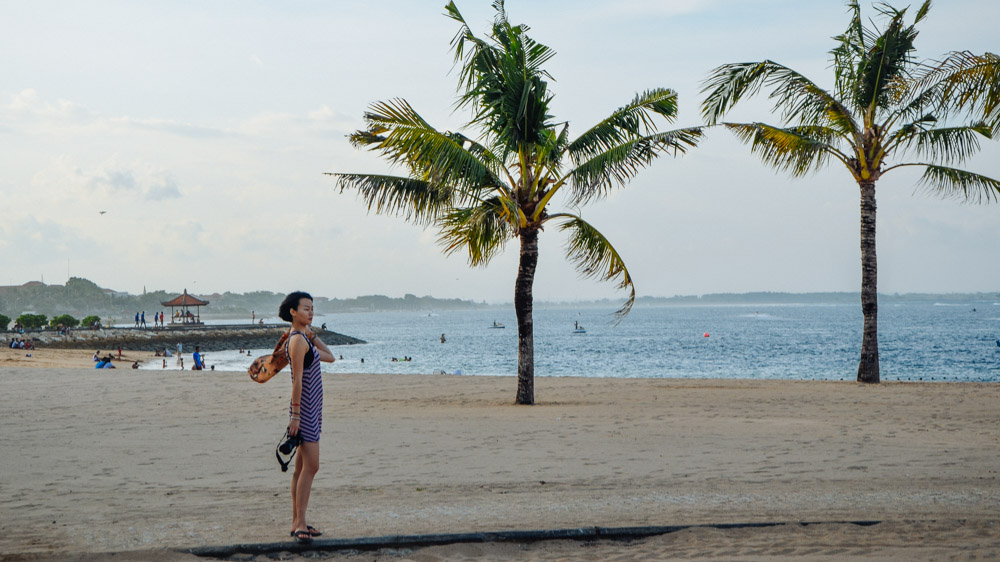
(84, 298)
(806, 298)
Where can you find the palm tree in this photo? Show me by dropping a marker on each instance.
(885, 108)
(482, 192)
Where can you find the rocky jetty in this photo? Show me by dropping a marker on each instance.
(210, 338)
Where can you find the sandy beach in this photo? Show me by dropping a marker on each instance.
(143, 463)
(71, 358)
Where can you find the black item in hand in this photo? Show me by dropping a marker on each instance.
(289, 445)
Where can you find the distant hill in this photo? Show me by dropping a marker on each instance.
(82, 297)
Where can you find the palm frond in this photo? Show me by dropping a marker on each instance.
(959, 184)
(633, 120)
(798, 150)
(550, 153)
(413, 199)
(946, 144)
(916, 105)
(797, 98)
(595, 257)
(966, 83)
(617, 165)
(482, 230)
(502, 81)
(464, 37)
(402, 136)
(851, 46)
(879, 68)
(728, 84)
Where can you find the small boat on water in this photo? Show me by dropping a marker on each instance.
(497, 325)
(578, 329)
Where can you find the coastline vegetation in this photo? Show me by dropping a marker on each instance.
(84, 298)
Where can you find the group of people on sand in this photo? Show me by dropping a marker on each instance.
(103, 362)
(21, 344)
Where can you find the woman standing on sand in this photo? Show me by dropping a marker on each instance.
(305, 351)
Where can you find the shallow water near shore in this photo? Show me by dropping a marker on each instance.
(917, 341)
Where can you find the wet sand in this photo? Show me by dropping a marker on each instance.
(135, 462)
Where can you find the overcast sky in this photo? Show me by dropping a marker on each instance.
(203, 130)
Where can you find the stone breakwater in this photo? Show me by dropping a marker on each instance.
(210, 338)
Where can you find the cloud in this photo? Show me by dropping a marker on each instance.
(171, 127)
(161, 188)
(631, 9)
(110, 179)
(30, 112)
(38, 239)
(322, 122)
(28, 105)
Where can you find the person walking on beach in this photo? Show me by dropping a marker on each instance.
(136, 319)
(142, 319)
(199, 361)
(305, 413)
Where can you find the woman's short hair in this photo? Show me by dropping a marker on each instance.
(291, 303)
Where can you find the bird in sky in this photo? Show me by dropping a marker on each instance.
(102, 212)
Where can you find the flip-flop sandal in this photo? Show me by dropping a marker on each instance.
(302, 536)
(313, 532)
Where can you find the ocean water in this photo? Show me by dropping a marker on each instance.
(917, 341)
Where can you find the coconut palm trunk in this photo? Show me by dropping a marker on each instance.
(523, 308)
(868, 370)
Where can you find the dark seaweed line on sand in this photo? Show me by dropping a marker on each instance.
(412, 541)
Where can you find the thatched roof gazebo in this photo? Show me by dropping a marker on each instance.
(184, 315)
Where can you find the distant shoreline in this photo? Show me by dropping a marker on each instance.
(775, 298)
(81, 298)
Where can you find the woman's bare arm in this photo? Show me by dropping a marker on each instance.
(325, 354)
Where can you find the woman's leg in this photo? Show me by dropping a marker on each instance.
(295, 480)
(306, 466)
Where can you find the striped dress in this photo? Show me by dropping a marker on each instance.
(311, 401)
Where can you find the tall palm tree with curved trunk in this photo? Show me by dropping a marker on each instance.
(483, 192)
(886, 111)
